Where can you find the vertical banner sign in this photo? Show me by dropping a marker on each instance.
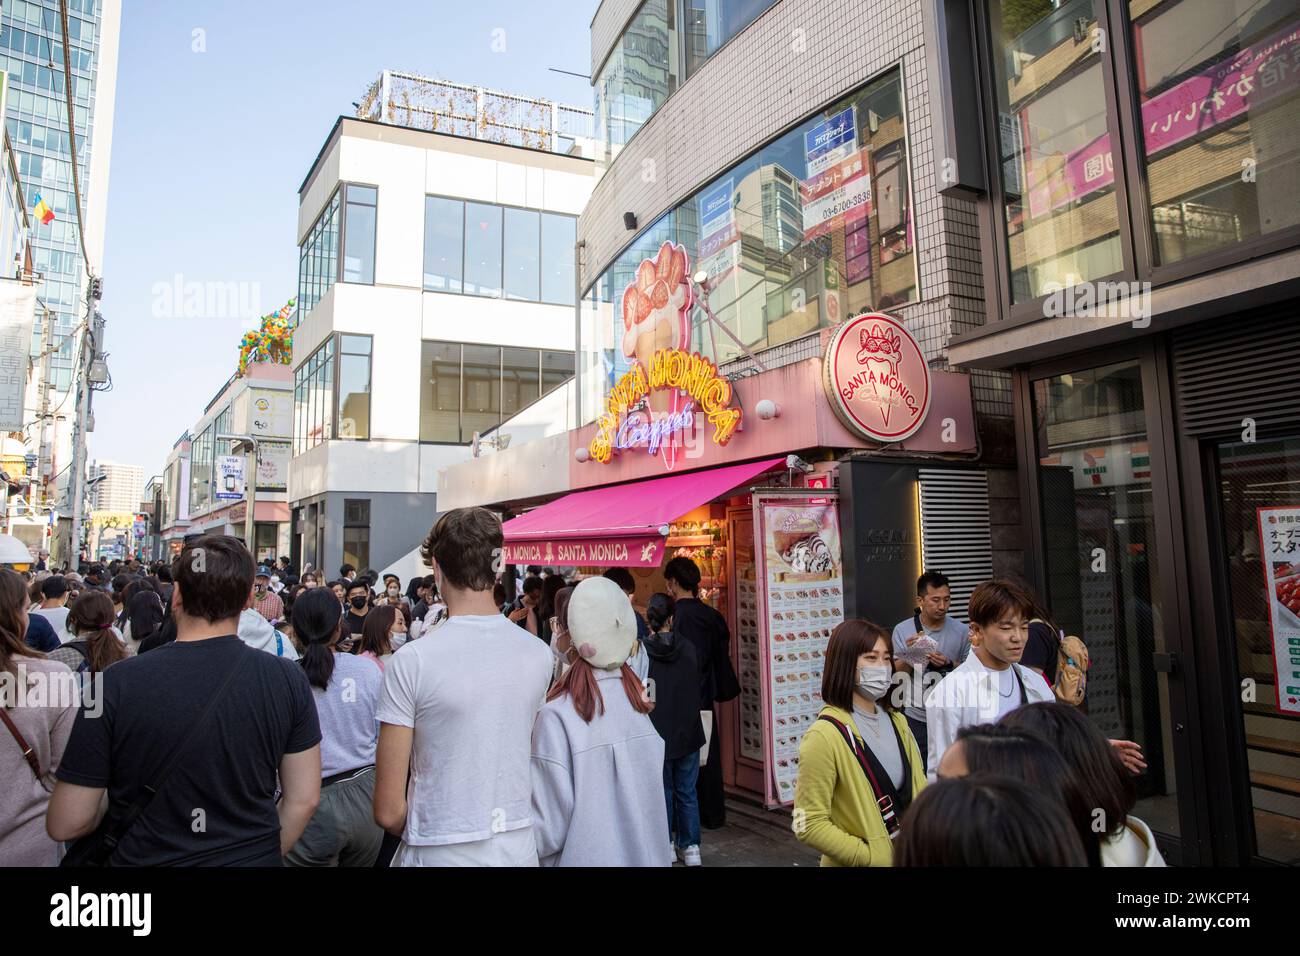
(1279, 540)
(230, 478)
(17, 315)
(801, 601)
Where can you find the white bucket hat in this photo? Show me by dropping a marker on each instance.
(602, 623)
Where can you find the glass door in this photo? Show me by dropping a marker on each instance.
(1102, 563)
(1258, 487)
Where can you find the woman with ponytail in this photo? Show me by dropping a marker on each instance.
(343, 831)
(33, 732)
(598, 796)
(95, 644)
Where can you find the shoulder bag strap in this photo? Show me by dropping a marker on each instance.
(28, 753)
(884, 802)
(904, 792)
(115, 834)
(1024, 694)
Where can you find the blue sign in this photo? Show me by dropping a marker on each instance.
(830, 139)
(715, 207)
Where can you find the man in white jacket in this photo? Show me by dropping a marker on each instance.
(990, 682)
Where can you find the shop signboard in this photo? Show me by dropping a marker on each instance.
(636, 551)
(1279, 541)
(273, 465)
(830, 141)
(839, 195)
(17, 317)
(800, 590)
(876, 377)
(655, 405)
(230, 478)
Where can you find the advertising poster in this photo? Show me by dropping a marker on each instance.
(273, 465)
(749, 633)
(1279, 542)
(17, 317)
(830, 141)
(230, 478)
(801, 602)
(838, 196)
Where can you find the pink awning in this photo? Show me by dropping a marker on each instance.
(618, 525)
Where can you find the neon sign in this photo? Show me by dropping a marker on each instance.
(628, 420)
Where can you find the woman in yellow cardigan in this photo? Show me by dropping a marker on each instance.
(859, 765)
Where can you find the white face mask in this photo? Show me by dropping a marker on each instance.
(874, 680)
(397, 639)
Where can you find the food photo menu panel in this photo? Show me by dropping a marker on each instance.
(801, 601)
(748, 637)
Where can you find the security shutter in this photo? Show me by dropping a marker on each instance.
(1228, 370)
(955, 537)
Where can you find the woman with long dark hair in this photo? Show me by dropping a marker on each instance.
(33, 732)
(144, 613)
(343, 831)
(383, 633)
(94, 645)
(598, 797)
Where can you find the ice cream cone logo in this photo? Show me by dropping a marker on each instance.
(656, 315)
(877, 379)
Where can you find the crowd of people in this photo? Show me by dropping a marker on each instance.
(234, 714)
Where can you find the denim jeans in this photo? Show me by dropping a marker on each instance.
(679, 794)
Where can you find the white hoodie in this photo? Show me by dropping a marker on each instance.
(257, 632)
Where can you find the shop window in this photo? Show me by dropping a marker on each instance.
(318, 257)
(356, 532)
(522, 261)
(1054, 145)
(444, 238)
(1102, 565)
(1259, 497)
(483, 249)
(1218, 103)
(354, 386)
(359, 234)
(637, 77)
(480, 390)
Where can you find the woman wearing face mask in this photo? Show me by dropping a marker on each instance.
(859, 765)
(561, 643)
(383, 634)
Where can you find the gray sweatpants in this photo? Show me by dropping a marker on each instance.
(342, 831)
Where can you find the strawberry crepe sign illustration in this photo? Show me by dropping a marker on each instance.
(656, 400)
(876, 377)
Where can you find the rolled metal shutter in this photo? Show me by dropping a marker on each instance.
(1228, 371)
(955, 536)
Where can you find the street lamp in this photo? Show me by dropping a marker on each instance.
(247, 443)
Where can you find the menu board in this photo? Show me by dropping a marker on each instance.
(749, 669)
(802, 601)
(1279, 540)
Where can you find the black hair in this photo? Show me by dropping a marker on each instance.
(551, 587)
(685, 572)
(1104, 781)
(659, 609)
(535, 570)
(1006, 751)
(316, 624)
(623, 578)
(983, 820)
(499, 593)
(164, 574)
(214, 576)
(55, 586)
(532, 583)
(345, 570)
(931, 579)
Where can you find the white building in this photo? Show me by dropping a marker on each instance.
(121, 487)
(436, 296)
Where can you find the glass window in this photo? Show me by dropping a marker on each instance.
(1263, 575)
(483, 249)
(520, 380)
(354, 387)
(1094, 474)
(318, 258)
(440, 392)
(708, 24)
(522, 261)
(1219, 108)
(559, 235)
(444, 238)
(480, 390)
(637, 77)
(359, 235)
(557, 368)
(356, 547)
(1058, 175)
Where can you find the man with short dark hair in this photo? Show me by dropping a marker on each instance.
(927, 646)
(358, 598)
(54, 604)
(527, 609)
(457, 713)
(239, 722)
(347, 572)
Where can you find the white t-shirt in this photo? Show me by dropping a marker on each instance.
(58, 618)
(471, 690)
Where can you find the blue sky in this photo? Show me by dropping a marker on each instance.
(209, 149)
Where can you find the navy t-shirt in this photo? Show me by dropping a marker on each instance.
(40, 634)
(217, 806)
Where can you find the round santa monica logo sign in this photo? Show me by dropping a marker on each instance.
(876, 377)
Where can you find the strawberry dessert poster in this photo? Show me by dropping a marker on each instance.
(1279, 534)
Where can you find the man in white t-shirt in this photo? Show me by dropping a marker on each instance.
(458, 708)
(54, 605)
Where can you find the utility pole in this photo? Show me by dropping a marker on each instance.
(43, 437)
(77, 480)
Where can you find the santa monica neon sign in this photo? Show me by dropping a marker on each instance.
(687, 372)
